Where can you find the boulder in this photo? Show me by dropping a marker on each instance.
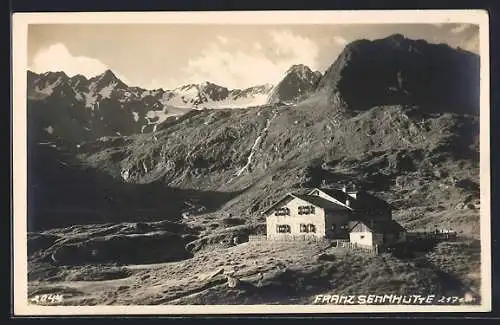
(232, 282)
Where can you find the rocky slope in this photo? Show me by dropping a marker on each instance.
(263, 152)
(299, 81)
(65, 192)
(398, 70)
(415, 159)
(76, 109)
(79, 109)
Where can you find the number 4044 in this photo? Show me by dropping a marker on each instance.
(49, 298)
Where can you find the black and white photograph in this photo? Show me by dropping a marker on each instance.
(251, 162)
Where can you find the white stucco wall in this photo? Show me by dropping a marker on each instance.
(295, 219)
(362, 238)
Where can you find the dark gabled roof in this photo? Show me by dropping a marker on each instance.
(314, 200)
(364, 200)
(338, 195)
(288, 196)
(321, 202)
(381, 226)
(396, 226)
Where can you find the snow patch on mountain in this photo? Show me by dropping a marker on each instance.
(255, 100)
(106, 91)
(212, 96)
(111, 106)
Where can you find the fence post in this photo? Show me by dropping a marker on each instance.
(376, 249)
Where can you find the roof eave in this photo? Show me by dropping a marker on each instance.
(275, 204)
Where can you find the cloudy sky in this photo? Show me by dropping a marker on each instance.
(167, 56)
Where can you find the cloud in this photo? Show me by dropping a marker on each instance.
(153, 84)
(471, 44)
(460, 28)
(340, 40)
(302, 49)
(56, 57)
(222, 39)
(236, 64)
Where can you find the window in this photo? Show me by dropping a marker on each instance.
(284, 211)
(344, 227)
(362, 236)
(283, 229)
(307, 228)
(306, 209)
(334, 226)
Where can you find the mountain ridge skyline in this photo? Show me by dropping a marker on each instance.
(140, 87)
(392, 70)
(201, 82)
(225, 57)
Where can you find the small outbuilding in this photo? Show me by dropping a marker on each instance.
(374, 232)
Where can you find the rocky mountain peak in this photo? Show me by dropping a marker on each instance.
(299, 81)
(303, 72)
(397, 38)
(46, 83)
(399, 70)
(79, 82)
(53, 77)
(79, 77)
(108, 73)
(299, 68)
(107, 78)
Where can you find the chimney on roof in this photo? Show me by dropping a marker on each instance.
(353, 191)
(347, 201)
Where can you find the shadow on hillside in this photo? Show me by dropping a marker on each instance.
(61, 195)
(290, 286)
(450, 285)
(412, 249)
(316, 176)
